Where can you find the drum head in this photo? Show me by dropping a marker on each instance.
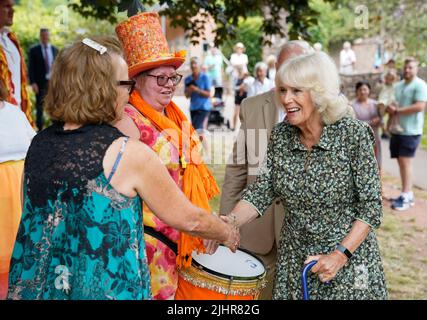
(226, 263)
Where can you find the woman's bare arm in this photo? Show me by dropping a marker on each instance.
(243, 213)
(142, 170)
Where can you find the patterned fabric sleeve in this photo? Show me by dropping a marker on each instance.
(366, 177)
(261, 193)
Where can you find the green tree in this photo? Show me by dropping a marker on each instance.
(335, 23)
(399, 24)
(65, 25)
(226, 14)
(402, 23)
(247, 31)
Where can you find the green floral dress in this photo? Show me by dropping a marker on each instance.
(323, 191)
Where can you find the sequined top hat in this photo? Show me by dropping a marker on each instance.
(145, 45)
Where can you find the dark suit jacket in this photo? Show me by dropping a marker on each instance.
(36, 66)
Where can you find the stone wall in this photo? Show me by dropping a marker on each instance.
(348, 84)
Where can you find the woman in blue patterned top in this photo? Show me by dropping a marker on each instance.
(321, 165)
(81, 233)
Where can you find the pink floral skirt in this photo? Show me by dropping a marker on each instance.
(162, 266)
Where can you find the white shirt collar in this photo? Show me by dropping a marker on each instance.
(48, 45)
(4, 30)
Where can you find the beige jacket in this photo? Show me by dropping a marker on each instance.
(258, 116)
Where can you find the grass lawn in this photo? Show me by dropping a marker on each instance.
(404, 266)
(404, 259)
(403, 244)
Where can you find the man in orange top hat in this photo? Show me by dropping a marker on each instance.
(153, 117)
(12, 63)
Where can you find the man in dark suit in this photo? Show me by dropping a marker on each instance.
(41, 58)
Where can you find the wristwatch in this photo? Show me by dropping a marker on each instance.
(344, 250)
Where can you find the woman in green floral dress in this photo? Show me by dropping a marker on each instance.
(321, 165)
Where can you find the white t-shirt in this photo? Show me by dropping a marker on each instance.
(256, 87)
(16, 133)
(13, 62)
(347, 58)
(239, 60)
(272, 74)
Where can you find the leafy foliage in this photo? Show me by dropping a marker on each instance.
(249, 33)
(65, 25)
(226, 14)
(401, 24)
(334, 24)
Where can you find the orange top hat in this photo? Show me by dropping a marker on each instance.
(145, 45)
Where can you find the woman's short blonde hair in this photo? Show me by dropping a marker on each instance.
(317, 73)
(83, 86)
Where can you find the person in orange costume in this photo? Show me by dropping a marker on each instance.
(152, 117)
(13, 70)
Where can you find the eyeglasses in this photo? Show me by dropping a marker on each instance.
(162, 80)
(127, 83)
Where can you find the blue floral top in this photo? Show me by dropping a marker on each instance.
(78, 238)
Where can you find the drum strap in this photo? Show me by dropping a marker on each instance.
(162, 238)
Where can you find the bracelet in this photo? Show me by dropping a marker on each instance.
(344, 250)
(233, 216)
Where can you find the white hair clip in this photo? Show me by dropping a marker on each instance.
(94, 45)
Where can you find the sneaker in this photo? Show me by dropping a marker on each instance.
(399, 198)
(392, 200)
(402, 204)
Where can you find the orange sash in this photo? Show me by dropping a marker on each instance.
(199, 185)
(7, 78)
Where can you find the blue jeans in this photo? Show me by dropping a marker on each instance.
(198, 117)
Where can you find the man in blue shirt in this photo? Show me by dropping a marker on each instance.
(411, 98)
(198, 88)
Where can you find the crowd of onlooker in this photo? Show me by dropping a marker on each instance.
(397, 113)
(140, 106)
